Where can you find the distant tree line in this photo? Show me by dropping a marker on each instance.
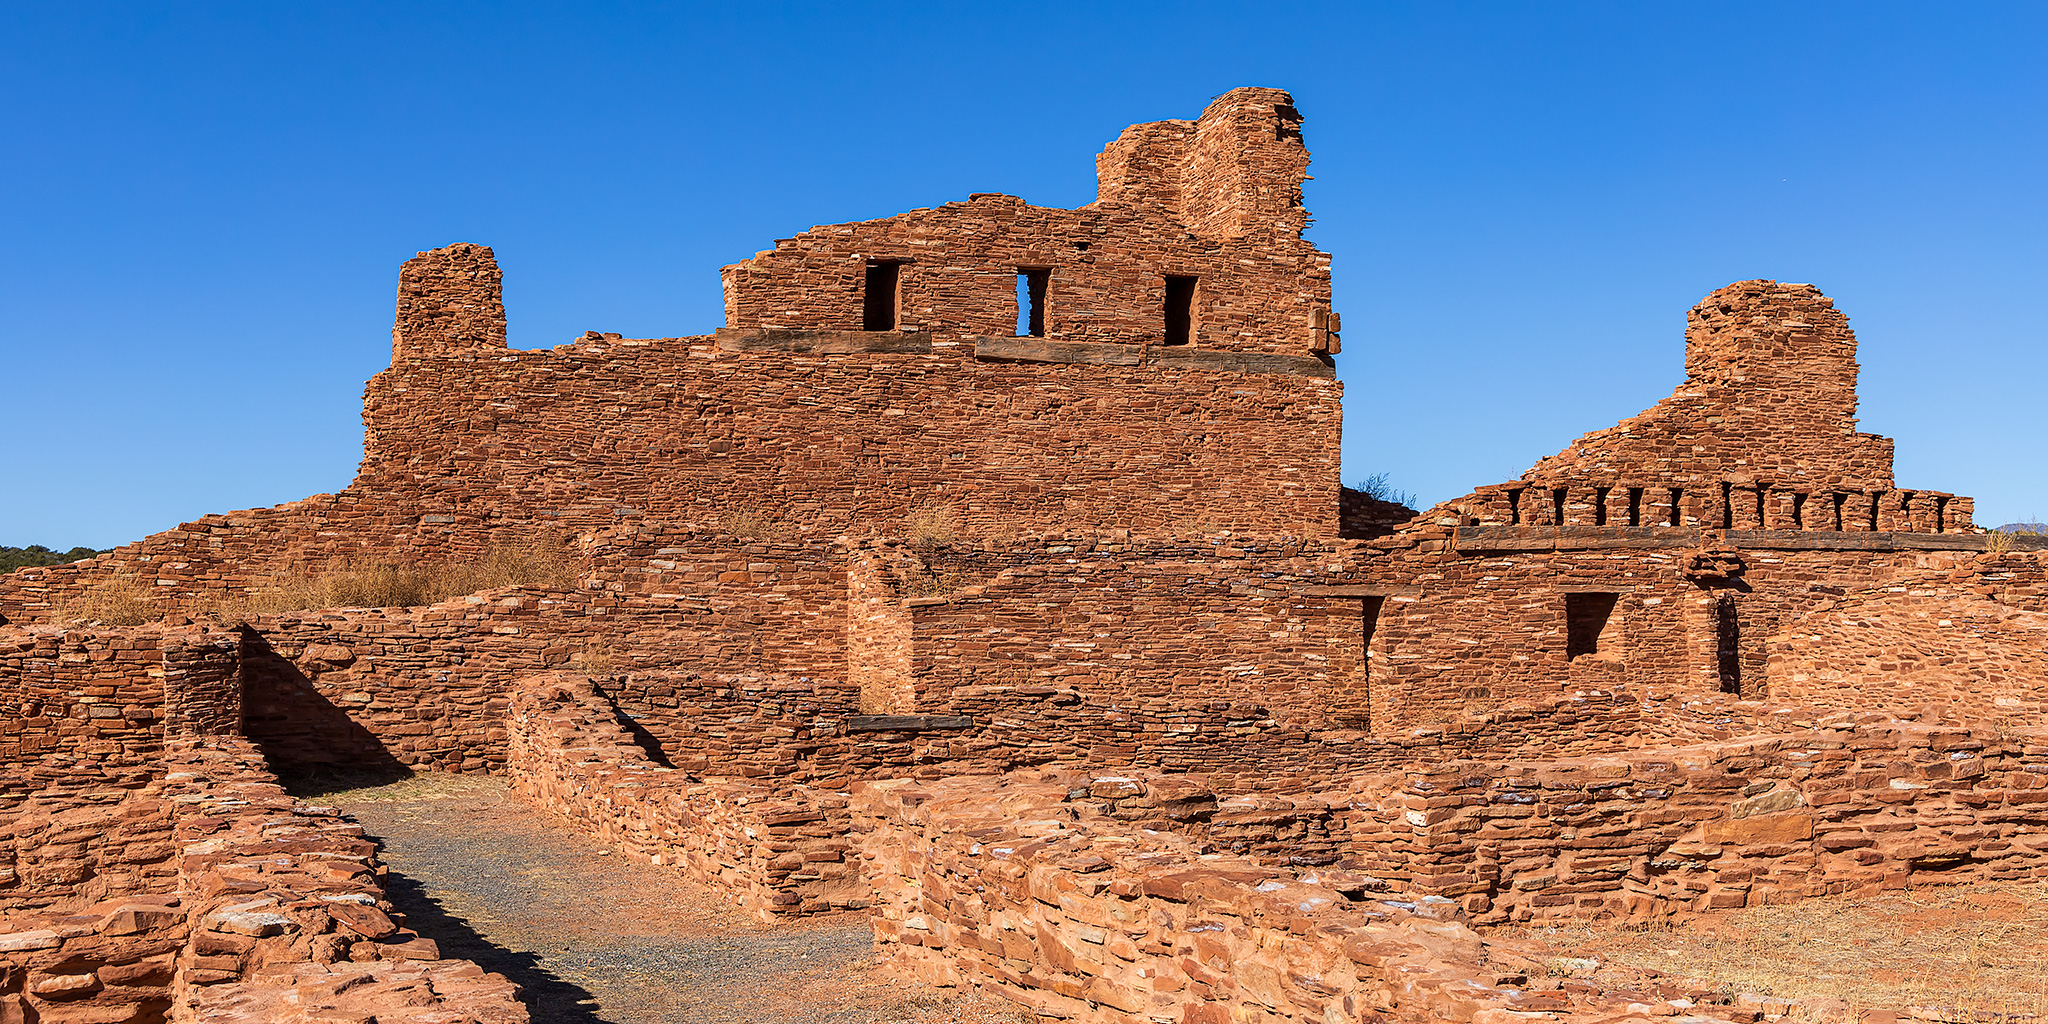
(36, 554)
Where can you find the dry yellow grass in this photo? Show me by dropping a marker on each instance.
(1968, 950)
(546, 562)
(748, 524)
(111, 602)
(932, 525)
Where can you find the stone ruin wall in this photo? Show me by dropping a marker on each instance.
(805, 419)
(1565, 696)
(1943, 645)
(1216, 200)
(151, 869)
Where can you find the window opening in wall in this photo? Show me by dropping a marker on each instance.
(1635, 506)
(880, 296)
(1727, 505)
(1600, 505)
(1180, 310)
(1761, 493)
(1728, 645)
(1589, 625)
(1906, 511)
(1515, 507)
(1799, 511)
(1031, 284)
(1371, 623)
(1941, 515)
(1873, 513)
(1676, 495)
(1557, 506)
(1841, 502)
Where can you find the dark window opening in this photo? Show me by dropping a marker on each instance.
(1589, 624)
(1873, 513)
(1371, 623)
(1557, 506)
(1635, 506)
(1841, 502)
(1031, 301)
(1762, 492)
(1799, 511)
(1676, 495)
(1180, 310)
(880, 297)
(1515, 506)
(1906, 512)
(1941, 515)
(1727, 505)
(1600, 505)
(1728, 645)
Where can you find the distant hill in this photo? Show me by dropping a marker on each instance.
(2023, 528)
(36, 554)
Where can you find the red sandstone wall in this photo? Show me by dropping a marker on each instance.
(1223, 621)
(429, 686)
(102, 696)
(1218, 199)
(1011, 887)
(1949, 654)
(1852, 807)
(777, 851)
(462, 452)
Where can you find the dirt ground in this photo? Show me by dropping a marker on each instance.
(1965, 953)
(594, 938)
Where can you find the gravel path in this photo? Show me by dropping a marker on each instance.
(593, 938)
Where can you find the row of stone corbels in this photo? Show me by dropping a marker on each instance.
(1713, 505)
(1858, 807)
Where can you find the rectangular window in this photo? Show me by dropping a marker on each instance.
(1798, 511)
(1557, 506)
(1728, 645)
(1635, 506)
(1373, 607)
(1031, 284)
(1515, 506)
(1589, 624)
(881, 296)
(1941, 515)
(1727, 506)
(1600, 505)
(1841, 500)
(1677, 496)
(1180, 310)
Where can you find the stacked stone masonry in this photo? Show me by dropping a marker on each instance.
(989, 573)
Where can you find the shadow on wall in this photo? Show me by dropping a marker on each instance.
(297, 727)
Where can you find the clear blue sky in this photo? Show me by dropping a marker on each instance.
(203, 207)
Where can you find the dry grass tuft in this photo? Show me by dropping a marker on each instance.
(932, 525)
(112, 601)
(547, 562)
(595, 661)
(925, 582)
(749, 524)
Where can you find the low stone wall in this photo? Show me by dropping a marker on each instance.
(1853, 807)
(779, 851)
(1013, 886)
(256, 909)
(99, 694)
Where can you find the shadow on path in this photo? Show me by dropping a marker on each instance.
(548, 997)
